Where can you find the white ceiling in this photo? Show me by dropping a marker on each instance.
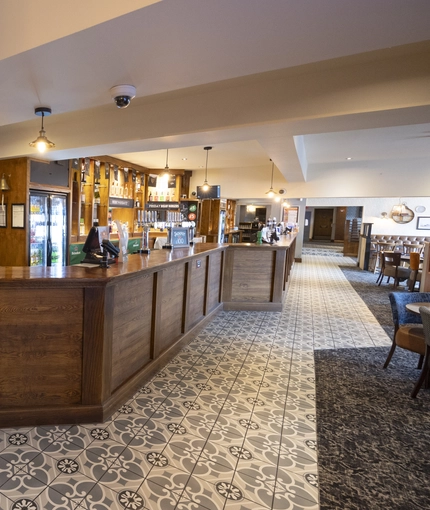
(179, 53)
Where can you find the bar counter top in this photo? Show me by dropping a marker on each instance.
(154, 261)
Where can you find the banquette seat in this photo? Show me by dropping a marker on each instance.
(401, 243)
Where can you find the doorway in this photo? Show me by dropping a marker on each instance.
(323, 221)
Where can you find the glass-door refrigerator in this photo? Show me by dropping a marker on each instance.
(221, 226)
(48, 229)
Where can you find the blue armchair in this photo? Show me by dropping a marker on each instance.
(408, 328)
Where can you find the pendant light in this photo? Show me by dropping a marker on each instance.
(166, 168)
(42, 143)
(206, 185)
(271, 193)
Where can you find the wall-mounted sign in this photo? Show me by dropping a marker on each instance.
(156, 206)
(127, 203)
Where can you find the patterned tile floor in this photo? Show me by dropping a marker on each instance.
(228, 424)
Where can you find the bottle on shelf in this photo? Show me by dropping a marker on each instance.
(156, 197)
(150, 198)
(96, 194)
(161, 196)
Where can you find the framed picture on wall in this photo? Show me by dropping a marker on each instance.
(423, 223)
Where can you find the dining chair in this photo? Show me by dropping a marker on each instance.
(380, 247)
(391, 268)
(425, 317)
(408, 328)
(412, 248)
(414, 266)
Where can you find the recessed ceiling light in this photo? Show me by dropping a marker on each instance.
(348, 159)
(184, 159)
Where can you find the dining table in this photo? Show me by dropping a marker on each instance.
(415, 307)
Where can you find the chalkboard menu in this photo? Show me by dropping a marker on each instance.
(179, 237)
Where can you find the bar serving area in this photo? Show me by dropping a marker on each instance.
(77, 341)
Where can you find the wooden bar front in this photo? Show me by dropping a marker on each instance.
(76, 342)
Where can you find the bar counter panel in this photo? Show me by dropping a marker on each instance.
(132, 327)
(41, 347)
(76, 342)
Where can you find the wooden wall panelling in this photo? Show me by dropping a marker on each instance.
(14, 241)
(214, 281)
(195, 292)
(206, 304)
(97, 352)
(131, 336)
(228, 275)
(169, 322)
(43, 347)
(248, 284)
(156, 314)
(278, 277)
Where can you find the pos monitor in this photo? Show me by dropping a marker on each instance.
(97, 247)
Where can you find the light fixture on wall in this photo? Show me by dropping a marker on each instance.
(271, 193)
(401, 213)
(206, 185)
(250, 208)
(42, 143)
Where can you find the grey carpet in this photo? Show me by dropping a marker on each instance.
(373, 439)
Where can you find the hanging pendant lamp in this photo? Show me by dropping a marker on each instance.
(42, 143)
(271, 193)
(206, 185)
(166, 168)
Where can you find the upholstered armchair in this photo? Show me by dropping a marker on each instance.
(408, 328)
(425, 317)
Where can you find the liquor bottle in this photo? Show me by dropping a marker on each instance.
(96, 194)
(161, 196)
(150, 198)
(167, 197)
(156, 197)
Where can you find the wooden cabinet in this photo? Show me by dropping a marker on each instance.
(215, 212)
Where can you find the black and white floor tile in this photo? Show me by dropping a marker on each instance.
(228, 424)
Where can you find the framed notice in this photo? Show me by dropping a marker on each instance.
(423, 223)
(3, 216)
(18, 215)
(179, 237)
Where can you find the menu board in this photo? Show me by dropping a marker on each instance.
(179, 237)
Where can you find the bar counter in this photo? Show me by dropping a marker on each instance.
(76, 342)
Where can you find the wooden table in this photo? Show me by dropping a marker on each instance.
(415, 307)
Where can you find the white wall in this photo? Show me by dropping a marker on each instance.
(373, 207)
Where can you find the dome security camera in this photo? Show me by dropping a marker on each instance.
(123, 94)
